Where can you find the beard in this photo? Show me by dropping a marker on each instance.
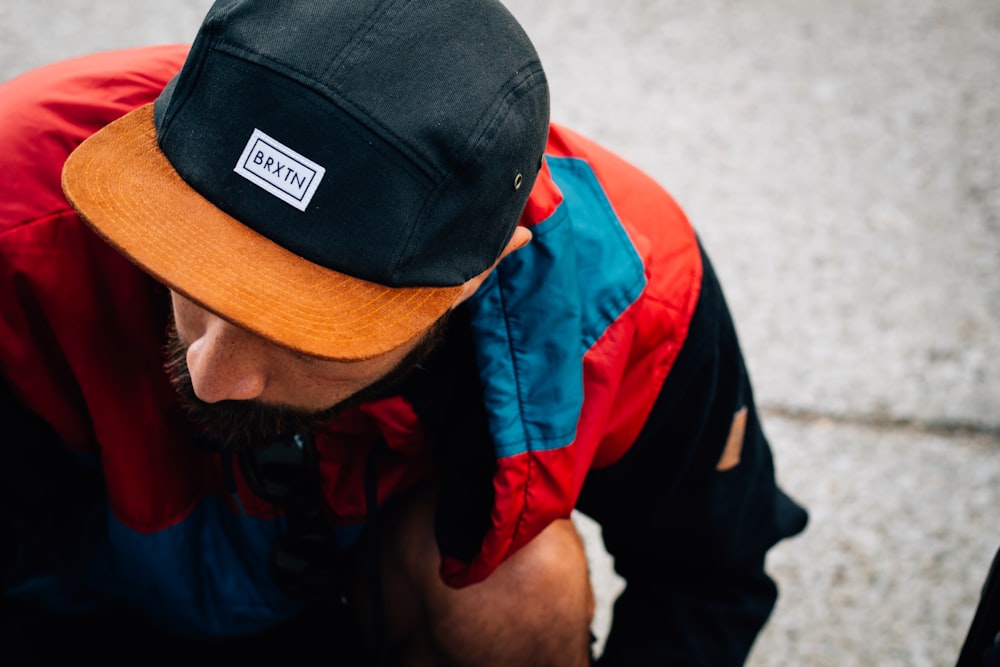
(245, 423)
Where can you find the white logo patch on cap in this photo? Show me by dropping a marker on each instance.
(273, 166)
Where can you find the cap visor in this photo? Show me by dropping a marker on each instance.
(125, 188)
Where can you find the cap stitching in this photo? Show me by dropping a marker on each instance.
(506, 103)
(347, 106)
(530, 73)
(190, 78)
(362, 33)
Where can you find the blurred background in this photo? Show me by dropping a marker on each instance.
(841, 162)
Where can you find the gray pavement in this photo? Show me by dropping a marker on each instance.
(842, 164)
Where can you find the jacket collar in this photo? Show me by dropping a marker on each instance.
(544, 200)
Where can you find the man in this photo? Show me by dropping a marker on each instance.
(400, 327)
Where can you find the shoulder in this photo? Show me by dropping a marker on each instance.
(108, 78)
(46, 112)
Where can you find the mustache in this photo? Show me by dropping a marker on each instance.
(236, 423)
(247, 423)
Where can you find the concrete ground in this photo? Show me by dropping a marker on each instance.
(842, 164)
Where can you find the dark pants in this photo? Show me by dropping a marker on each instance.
(692, 538)
(982, 643)
(29, 639)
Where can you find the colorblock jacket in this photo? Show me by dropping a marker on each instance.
(569, 341)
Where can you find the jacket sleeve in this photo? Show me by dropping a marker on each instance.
(51, 489)
(691, 510)
(50, 499)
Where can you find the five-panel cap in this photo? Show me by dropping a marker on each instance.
(326, 173)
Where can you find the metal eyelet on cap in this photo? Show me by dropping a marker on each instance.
(517, 181)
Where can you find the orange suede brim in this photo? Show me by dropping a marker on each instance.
(125, 188)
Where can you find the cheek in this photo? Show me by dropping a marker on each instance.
(318, 388)
(306, 390)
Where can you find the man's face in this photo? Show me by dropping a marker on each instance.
(242, 388)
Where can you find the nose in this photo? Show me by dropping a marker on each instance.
(225, 363)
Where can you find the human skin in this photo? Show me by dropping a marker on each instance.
(535, 609)
(227, 362)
